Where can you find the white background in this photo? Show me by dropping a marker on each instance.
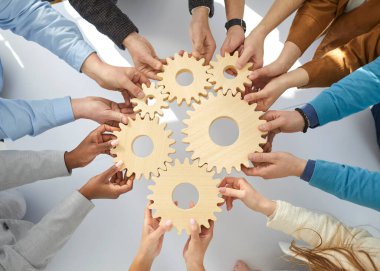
(109, 237)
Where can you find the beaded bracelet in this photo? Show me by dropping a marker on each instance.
(306, 120)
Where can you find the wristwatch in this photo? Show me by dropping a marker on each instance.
(233, 22)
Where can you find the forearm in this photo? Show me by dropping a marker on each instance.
(37, 21)
(107, 18)
(21, 117)
(234, 9)
(349, 183)
(23, 167)
(48, 236)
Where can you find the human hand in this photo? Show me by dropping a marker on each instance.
(106, 185)
(253, 50)
(102, 110)
(151, 241)
(238, 188)
(202, 40)
(234, 40)
(97, 142)
(275, 165)
(143, 55)
(197, 244)
(124, 79)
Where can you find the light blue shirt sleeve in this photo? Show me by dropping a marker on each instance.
(350, 95)
(37, 21)
(354, 184)
(19, 117)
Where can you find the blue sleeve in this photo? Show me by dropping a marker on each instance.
(354, 184)
(19, 117)
(37, 21)
(350, 95)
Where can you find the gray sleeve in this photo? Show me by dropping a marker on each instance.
(22, 167)
(46, 238)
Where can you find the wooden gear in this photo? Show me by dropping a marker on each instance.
(161, 147)
(236, 84)
(181, 64)
(203, 147)
(164, 186)
(143, 107)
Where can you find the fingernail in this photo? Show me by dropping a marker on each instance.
(118, 164)
(124, 120)
(168, 223)
(114, 143)
(246, 98)
(263, 127)
(222, 189)
(192, 221)
(140, 95)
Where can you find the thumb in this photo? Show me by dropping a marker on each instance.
(254, 97)
(194, 230)
(263, 72)
(230, 192)
(244, 58)
(112, 170)
(161, 230)
(112, 115)
(153, 62)
(105, 146)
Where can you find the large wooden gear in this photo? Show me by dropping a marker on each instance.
(145, 108)
(235, 84)
(212, 154)
(157, 159)
(208, 192)
(181, 93)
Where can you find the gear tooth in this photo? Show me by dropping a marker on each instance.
(186, 161)
(186, 55)
(202, 61)
(186, 140)
(236, 54)
(177, 56)
(160, 76)
(150, 197)
(213, 64)
(219, 57)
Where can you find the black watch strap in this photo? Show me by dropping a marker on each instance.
(233, 22)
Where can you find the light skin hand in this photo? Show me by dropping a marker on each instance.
(234, 40)
(151, 242)
(253, 50)
(143, 55)
(101, 110)
(100, 187)
(124, 79)
(238, 188)
(97, 142)
(197, 244)
(275, 165)
(203, 42)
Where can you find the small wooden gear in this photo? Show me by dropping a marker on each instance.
(235, 84)
(212, 154)
(164, 186)
(157, 159)
(143, 106)
(181, 64)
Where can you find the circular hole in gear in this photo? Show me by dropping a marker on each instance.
(224, 131)
(230, 72)
(142, 146)
(184, 194)
(184, 77)
(150, 100)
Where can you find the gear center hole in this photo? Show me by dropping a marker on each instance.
(142, 146)
(185, 194)
(224, 131)
(184, 77)
(230, 72)
(150, 100)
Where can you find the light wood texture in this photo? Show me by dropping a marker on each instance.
(143, 107)
(212, 154)
(176, 91)
(236, 84)
(157, 159)
(208, 192)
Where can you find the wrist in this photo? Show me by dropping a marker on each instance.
(70, 160)
(299, 167)
(236, 29)
(141, 262)
(191, 265)
(260, 31)
(200, 13)
(266, 206)
(92, 66)
(130, 39)
(78, 108)
(86, 192)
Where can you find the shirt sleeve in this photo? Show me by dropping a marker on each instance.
(37, 21)
(23, 167)
(21, 117)
(312, 227)
(352, 94)
(45, 239)
(202, 3)
(354, 184)
(107, 18)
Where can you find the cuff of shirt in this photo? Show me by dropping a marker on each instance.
(308, 171)
(81, 52)
(199, 3)
(311, 115)
(63, 111)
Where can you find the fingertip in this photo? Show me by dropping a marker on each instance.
(114, 143)
(263, 127)
(140, 95)
(119, 164)
(222, 190)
